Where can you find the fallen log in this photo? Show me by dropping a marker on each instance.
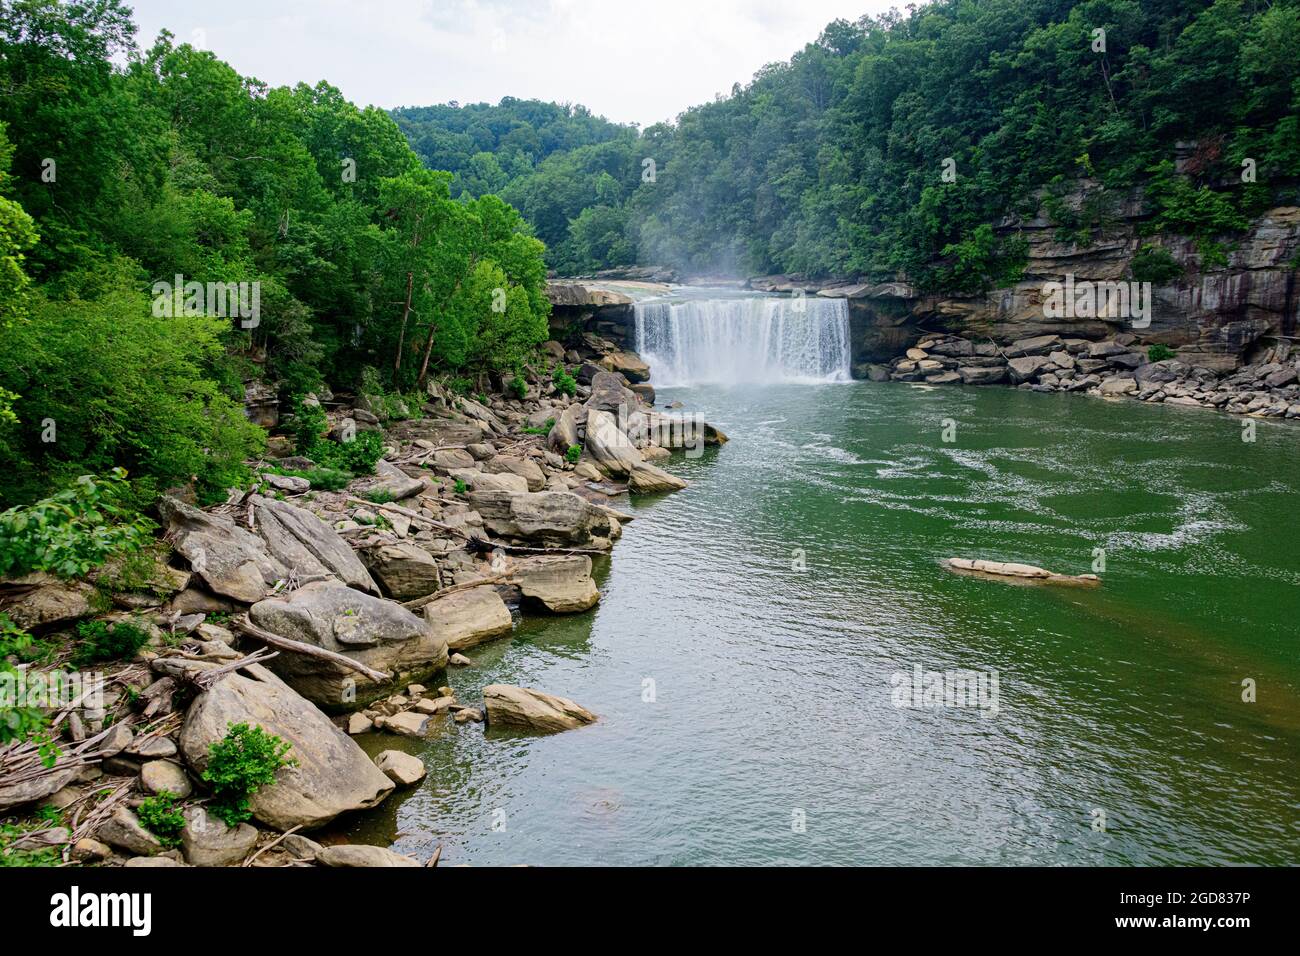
(242, 623)
(1012, 572)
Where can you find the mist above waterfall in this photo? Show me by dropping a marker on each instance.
(754, 339)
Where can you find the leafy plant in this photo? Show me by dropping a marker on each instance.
(540, 429)
(11, 833)
(239, 765)
(519, 387)
(161, 816)
(1159, 352)
(380, 496)
(573, 454)
(1155, 264)
(101, 641)
(309, 426)
(19, 721)
(563, 381)
(461, 487)
(73, 531)
(322, 479)
(357, 456)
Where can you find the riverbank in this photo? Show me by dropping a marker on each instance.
(327, 614)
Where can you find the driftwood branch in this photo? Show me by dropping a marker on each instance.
(418, 603)
(415, 516)
(242, 623)
(252, 859)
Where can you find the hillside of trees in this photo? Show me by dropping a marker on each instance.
(122, 167)
(834, 162)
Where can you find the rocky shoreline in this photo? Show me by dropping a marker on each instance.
(1118, 367)
(319, 615)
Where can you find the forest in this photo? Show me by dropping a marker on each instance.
(122, 167)
(894, 146)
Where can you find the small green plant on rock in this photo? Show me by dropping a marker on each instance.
(1158, 353)
(461, 487)
(161, 816)
(239, 765)
(573, 454)
(101, 641)
(564, 382)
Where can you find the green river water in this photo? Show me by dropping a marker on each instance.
(773, 736)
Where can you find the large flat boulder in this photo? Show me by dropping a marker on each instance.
(609, 394)
(469, 617)
(375, 632)
(300, 540)
(403, 570)
(510, 706)
(332, 775)
(553, 519)
(560, 583)
(525, 468)
(39, 601)
(650, 478)
(230, 560)
(609, 446)
(390, 480)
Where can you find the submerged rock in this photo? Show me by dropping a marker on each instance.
(1022, 572)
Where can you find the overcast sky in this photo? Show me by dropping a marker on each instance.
(634, 61)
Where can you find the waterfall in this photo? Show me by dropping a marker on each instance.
(751, 340)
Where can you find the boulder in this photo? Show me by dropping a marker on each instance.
(230, 560)
(609, 394)
(391, 480)
(125, 831)
(377, 633)
(650, 478)
(40, 601)
(609, 446)
(630, 365)
(357, 855)
(546, 518)
(300, 540)
(487, 481)
(1012, 571)
(402, 768)
(207, 841)
(986, 375)
(560, 583)
(509, 706)
(523, 467)
(403, 570)
(1027, 367)
(408, 723)
(331, 775)
(38, 788)
(1118, 386)
(465, 618)
(1035, 345)
(165, 776)
(449, 458)
(564, 432)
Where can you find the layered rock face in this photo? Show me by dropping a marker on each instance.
(1214, 316)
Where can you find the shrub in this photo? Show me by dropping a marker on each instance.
(380, 496)
(357, 456)
(73, 531)
(563, 381)
(1158, 353)
(163, 818)
(107, 642)
(573, 454)
(309, 426)
(519, 386)
(540, 429)
(461, 487)
(1155, 264)
(322, 479)
(19, 721)
(239, 765)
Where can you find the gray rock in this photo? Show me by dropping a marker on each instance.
(465, 618)
(332, 774)
(509, 706)
(230, 560)
(125, 831)
(356, 855)
(207, 841)
(300, 540)
(402, 768)
(403, 570)
(560, 583)
(523, 467)
(546, 518)
(164, 776)
(375, 632)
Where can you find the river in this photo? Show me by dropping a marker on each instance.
(744, 653)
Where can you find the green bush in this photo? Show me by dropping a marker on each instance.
(322, 479)
(563, 381)
(308, 427)
(239, 765)
(357, 456)
(461, 487)
(1158, 353)
(17, 720)
(100, 641)
(163, 818)
(74, 530)
(1156, 265)
(573, 454)
(519, 386)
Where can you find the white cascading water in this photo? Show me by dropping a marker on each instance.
(732, 341)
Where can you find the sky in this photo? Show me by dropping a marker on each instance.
(632, 61)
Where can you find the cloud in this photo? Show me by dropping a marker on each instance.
(631, 60)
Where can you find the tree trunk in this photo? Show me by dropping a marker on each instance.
(406, 314)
